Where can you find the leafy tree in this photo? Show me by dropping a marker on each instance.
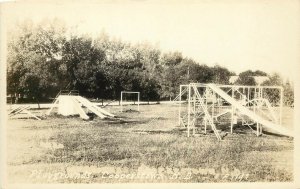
(171, 59)
(33, 55)
(42, 60)
(274, 95)
(259, 73)
(221, 75)
(274, 80)
(84, 66)
(247, 77)
(201, 73)
(288, 98)
(169, 80)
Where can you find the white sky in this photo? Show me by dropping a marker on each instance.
(237, 34)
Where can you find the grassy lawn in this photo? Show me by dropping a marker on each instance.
(143, 146)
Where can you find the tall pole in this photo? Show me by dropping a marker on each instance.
(121, 101)
(179, 112)
(138, 101)
(281, 105)
(248, 95)
(205, 120)
(213, 105)
(232, 109)
(194, 118)
(189, 110)
(188, 74)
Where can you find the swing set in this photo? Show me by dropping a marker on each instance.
(129, 99)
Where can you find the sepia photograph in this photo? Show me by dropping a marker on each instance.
(197, 92)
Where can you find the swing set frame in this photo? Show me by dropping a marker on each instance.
(130, 92)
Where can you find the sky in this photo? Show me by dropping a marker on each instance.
(236, 34)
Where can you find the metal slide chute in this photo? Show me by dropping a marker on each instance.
(250, 113)
(80, 111)
(93, 108)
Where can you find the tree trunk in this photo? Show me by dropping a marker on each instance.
(38, 102)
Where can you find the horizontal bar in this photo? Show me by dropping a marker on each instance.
(129, 92)
(236, 86)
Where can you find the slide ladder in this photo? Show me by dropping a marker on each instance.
(207, 115)
(54, 102)
(250, 113)
(20, 110)
(17, 110)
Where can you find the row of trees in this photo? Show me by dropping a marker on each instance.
(46, 58)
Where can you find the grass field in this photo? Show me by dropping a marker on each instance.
(143, 146)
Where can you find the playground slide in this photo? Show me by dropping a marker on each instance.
(249, 113)
(80, 110)
(95, 109)
(21, 110)
(89, 106)
(104, 111)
